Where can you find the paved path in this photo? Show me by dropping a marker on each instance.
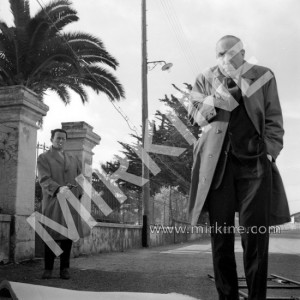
(180, 269)
(277, 245)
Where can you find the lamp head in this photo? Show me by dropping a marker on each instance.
(167, 66)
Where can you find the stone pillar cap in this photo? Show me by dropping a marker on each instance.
(81, 129)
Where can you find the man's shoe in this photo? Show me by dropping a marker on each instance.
(47, 274)
(64, 274)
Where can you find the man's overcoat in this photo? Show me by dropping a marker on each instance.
(263, 109)
(55, 171)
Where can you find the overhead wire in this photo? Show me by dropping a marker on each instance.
(186, 41)
(181, 31)
(176, 29)
(181, 38)
(175, 33)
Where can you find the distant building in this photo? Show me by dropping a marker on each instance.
(295, 218)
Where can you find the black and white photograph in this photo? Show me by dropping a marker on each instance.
(149, 149)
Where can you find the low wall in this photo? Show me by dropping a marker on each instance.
(106, 237)
(109, 237)
(5, 222)
(290, 226)
(167, 235)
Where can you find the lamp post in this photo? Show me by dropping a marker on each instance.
(145, 162)
(145, 170)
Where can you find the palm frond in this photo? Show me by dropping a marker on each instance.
(61, 91)
(51, 6)
(37, 33)
(55, 57)
(37, 54)
(105, 80)
(20, 11)
(90, 49)
(63, 21)
(101, 85)
(56, 11)
(7, 41)
(78, 89)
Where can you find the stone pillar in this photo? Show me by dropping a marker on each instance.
(20, 110)
(81, 141)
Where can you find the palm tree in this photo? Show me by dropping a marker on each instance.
(37, 54)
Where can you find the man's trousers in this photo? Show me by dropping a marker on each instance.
(66, 246)
(250, 196)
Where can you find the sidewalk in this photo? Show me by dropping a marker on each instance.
(180, 268)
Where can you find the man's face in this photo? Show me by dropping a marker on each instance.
(230, 55)
(59, 140)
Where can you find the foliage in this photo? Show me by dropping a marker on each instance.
(127, 212)
(169, 205)
(36, 53)
(175, 171)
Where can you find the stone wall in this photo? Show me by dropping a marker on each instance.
(109, 237)
(105, 237)
(5, 221)
(179, 233)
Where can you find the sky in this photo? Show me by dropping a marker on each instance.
(183, 32)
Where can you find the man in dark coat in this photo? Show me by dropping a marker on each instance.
(57, 172)
(236, 105)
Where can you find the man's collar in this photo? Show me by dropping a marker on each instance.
(249, 74)
(250, 71)
(56, 150)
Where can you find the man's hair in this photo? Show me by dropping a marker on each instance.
(57, 130)
(225, 37)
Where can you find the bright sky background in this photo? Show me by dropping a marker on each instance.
(183, 32)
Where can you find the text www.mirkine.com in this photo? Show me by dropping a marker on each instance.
(216, 229)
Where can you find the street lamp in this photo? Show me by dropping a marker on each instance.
(166, 66)
(145, 162)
